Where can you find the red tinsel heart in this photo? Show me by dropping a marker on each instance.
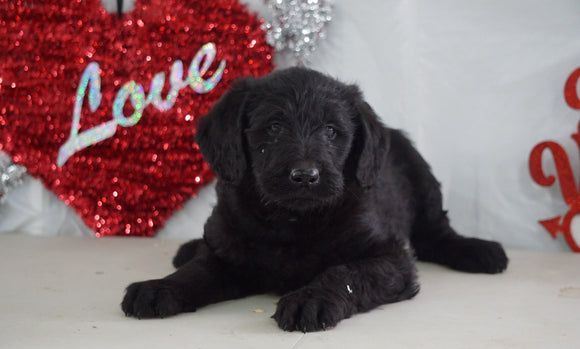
(130, 182)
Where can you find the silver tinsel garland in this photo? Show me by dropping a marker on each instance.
(11, 175)
(297, 26)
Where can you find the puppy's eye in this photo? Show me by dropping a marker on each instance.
(330, 132)
(275, 128)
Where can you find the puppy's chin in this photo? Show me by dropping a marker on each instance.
(304, 204)
(302, 200)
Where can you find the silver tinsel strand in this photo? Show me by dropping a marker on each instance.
(297, 26)
(11, 175)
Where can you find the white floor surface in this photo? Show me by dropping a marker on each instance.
(65, 293)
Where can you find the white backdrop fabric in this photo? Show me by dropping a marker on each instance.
(475, 84)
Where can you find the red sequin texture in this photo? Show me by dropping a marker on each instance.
(131, 183)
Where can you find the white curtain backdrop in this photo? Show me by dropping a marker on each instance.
(475, 84)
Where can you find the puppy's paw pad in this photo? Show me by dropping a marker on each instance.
(309, 310)
(153, 298)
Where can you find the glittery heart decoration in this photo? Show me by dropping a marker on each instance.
(103, 108)
(298, 25)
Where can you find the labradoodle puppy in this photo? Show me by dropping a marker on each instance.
(317, 201)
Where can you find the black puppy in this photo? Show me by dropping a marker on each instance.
(317, 201)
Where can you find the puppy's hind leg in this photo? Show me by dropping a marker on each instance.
(434, 240)
(431, 235)
(186, 252)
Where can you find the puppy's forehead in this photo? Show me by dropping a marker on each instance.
(300, 83)
(301, 93)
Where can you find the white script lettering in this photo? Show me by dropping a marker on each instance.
(134, 92)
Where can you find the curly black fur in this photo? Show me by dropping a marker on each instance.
(317, 201)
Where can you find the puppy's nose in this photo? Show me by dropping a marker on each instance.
(305, 176)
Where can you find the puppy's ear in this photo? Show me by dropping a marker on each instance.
(371, 141)
(219, 134)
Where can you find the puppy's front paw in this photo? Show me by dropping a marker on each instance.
(310, 309)
(153, 298)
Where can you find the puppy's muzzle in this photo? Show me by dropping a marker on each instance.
(305, 176)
